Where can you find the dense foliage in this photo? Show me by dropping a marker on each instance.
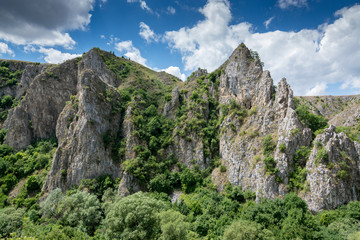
(313, 121)
(7, 76)
(95, 210)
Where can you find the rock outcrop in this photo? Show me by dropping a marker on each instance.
(82, 130)
(242, 133)
(45, 98)
(333, 171)
(96, 107)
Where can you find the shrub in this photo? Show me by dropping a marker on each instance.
(282, 147)
(314, 122)
(268, 145)
(32, 184)
(270, 165)
(222, 168)
(322, 156)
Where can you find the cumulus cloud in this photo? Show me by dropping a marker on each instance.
(4, 49)
(311, 56)
(327, 55)
(175, 71)
(318, 90)
(267, 22)
(43, 22)
(210, 41)
(55, 56)
(147, 34)
(284, 4)
(127, 48)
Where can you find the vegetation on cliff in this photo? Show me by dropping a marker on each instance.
(174, 142)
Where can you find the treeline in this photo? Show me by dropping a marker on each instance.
(94, 210)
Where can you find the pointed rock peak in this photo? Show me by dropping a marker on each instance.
(244, 54)
(284, 95)
(95, 60)
(198, 73)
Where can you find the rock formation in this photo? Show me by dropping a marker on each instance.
(234, 117)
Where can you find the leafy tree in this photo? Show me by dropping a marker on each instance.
(134, 217)
(10, 221)
(82, 210)
(48, 207)
(173, 225)
(246, 230)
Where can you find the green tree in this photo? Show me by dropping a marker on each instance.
(173, 225)
(133, 217)
(246, 230)
(48, 207)
(10, 221)
(81, 210)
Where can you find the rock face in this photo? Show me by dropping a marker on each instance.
(170, 107)
(44, 99)
(95, 105)
(241, 138)
(334, 173)
(82, 130)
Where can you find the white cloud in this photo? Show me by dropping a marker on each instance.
(171, 10)
(307, 58)
(284, 4)
(43, 22)
(143, 5)
(4, 49)
(147, 34)
(55, 56)
(102, 37)
(318, 90)
(175, 71)
(327, 55)
(267, 22)
(210, 41)
(130, 51)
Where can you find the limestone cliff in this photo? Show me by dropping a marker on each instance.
(333, 171)
(117, 117)
(83, 129)
(264, 114)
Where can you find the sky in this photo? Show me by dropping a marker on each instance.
(315, 44)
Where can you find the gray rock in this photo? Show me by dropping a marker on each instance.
(82, 152)
(333, 179)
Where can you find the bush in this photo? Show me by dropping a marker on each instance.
(314, 122)
(189, 179)
(322, 156)
(282, 147)
(270, 165)
(268, 145)
(222, 168)
(32, 184)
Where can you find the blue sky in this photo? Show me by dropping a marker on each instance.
(315, 44)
